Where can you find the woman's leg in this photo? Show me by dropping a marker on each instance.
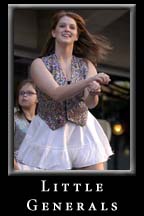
(99, 166)
(15, 165)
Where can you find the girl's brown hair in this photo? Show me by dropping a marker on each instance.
(89, 46)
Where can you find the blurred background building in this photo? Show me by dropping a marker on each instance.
(30, 27)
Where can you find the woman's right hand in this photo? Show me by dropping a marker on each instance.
(94, 88)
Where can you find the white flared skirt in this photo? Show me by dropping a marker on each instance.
(70, 146)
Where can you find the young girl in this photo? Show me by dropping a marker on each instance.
(26, 109)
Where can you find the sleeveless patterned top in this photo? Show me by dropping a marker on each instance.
(54, 113)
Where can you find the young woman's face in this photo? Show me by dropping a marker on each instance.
(27, 96)
(66, 30)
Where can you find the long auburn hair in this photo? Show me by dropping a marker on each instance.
(89, 46)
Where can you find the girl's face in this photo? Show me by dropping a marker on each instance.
(27, 96)
(66, 30)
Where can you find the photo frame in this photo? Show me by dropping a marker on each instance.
(14, 49)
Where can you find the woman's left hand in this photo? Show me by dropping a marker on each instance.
(103, 78)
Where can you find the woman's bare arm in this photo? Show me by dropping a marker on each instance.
(46, 83)
(92, 92)
(91, 100)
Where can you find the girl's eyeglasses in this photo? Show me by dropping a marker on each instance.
(28, 93)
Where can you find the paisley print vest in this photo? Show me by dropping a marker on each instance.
(54, 113)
